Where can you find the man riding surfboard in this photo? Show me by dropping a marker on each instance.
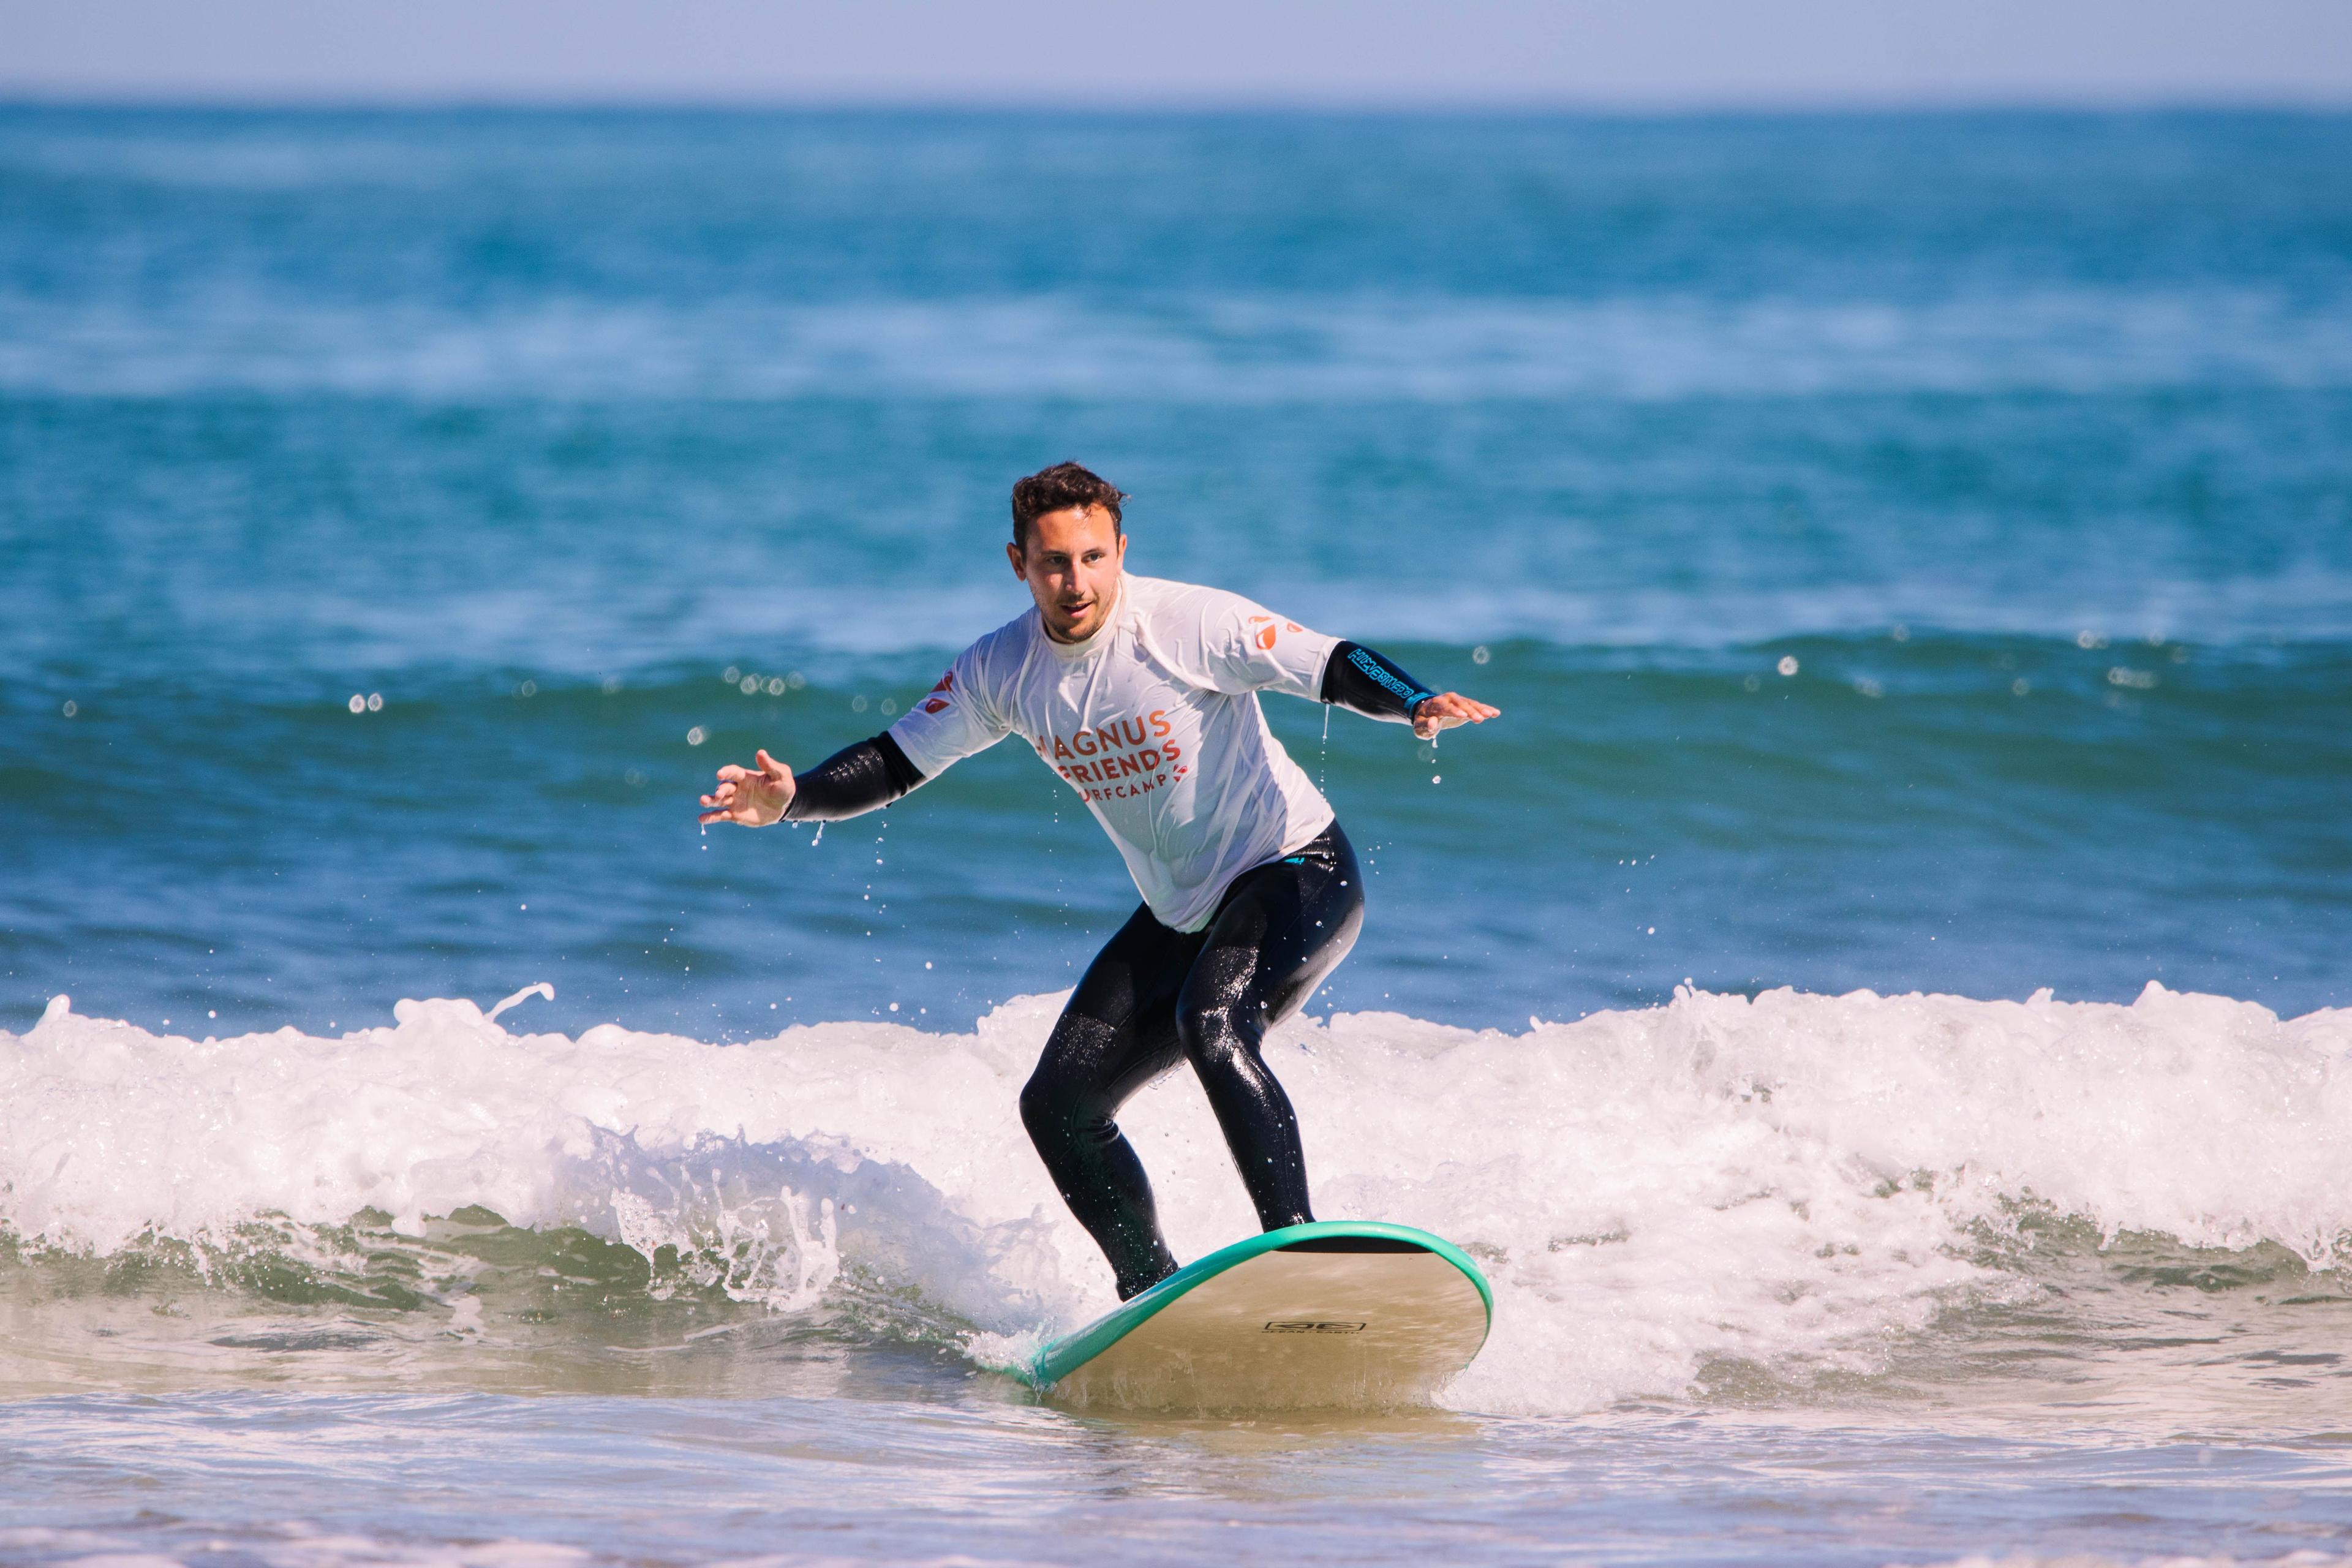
(1143, 694)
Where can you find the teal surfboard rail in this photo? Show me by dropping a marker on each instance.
(1073, 1350)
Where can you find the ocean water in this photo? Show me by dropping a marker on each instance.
(1878, 1004)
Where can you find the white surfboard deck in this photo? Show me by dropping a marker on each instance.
(1338, 1314)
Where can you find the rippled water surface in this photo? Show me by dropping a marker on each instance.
(1877, 1007)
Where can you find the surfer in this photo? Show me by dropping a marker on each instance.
(1143, 694)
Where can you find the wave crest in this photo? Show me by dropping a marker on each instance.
(1792, 1183)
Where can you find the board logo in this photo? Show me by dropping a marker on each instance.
(1306, 1326)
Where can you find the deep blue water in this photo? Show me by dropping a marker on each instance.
(295, 407)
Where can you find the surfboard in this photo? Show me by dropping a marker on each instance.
(1355, 1314)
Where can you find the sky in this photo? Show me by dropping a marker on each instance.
(1596, 54)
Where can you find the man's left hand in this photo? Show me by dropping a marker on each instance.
(1446, 710)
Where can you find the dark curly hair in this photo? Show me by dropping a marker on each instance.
(1063, 485)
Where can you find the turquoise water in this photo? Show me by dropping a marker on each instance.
(1914, 555)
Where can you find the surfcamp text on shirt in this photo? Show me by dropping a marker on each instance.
(1119, 752)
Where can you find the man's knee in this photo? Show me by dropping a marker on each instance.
(1049, 1100)
(1208, 1033)
(1045, 1107)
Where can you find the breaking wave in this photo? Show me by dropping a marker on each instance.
(1721, 1194)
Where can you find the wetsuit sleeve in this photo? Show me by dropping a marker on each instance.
(951, 720)
(1245, 647)
(1371, 684)
(854, 780)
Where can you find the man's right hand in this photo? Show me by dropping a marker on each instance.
(754, 796)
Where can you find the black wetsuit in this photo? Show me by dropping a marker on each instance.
(1155, 996)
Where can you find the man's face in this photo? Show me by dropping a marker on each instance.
(1072, 565)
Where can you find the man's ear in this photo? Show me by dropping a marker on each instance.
(1020, 563)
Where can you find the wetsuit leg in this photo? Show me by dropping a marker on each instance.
(1281, 929)
(1153, 997)
(1117, 1034)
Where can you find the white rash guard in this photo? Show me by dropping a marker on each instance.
(1154, 721)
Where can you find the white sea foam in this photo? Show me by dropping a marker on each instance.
(1795, 1179)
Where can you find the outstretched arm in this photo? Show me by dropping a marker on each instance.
(1374, 685)
(856, 779)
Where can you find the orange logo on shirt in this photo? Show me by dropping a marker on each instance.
(1265, 633)
(1098, 760)
(937, 703)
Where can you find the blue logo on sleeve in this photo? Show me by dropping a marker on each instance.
(1362, 660)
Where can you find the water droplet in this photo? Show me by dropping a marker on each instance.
(375, 702)
(1787, 665)
(72, 708)
(358, 704)
(697, 735)
(1479, 654)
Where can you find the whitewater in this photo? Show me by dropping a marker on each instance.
(1811, 1187)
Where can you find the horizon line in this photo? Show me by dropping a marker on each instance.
(2203, 101)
